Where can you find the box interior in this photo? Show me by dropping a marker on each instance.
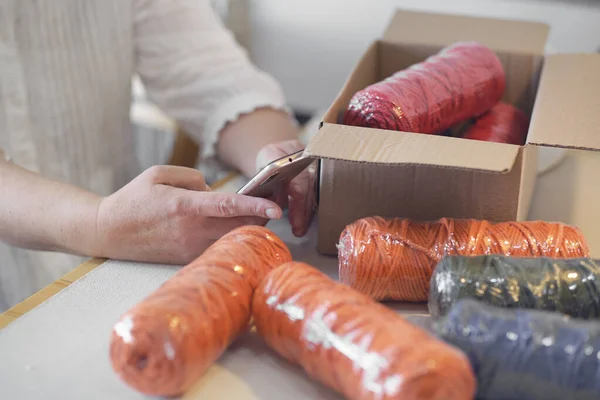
(381, 60)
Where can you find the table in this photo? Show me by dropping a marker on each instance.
(59, 348)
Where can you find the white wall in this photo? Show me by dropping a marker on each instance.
(311, 45)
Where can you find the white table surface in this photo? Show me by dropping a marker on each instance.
(59, 350)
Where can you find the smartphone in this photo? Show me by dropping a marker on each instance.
(275, 176)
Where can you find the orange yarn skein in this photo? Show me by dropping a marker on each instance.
(393, 259)
(167, 341)
(353, 344)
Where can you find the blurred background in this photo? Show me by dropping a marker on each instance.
(311, 45)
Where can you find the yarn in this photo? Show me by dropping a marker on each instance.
(393, 259)
(166, 342)
(461, 82)
(570, 286)
(352, 344)
(525, 354)
(503, 123)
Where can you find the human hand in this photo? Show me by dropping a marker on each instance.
(169, 215)
(299, 196)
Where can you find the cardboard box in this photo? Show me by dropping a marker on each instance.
(567, 108)
(365, 172)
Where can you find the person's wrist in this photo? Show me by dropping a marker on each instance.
(101, 240)
(241, 141)
(82, 234)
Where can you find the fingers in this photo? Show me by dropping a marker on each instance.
(179, 177)
(302, 201)
(275, 151)
(280, 197)
(228, 205)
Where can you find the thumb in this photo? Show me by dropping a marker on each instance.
(179, 177)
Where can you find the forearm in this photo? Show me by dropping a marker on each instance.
(41, 214)
(193, 69)
(240, 141)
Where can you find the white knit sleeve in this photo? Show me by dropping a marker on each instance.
(194, 70)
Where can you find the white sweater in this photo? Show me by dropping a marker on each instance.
(65, 77)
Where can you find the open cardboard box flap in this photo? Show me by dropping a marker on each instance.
(567, 109)
(422, 176)
(377, 146)
(431, 29)
(410, 29)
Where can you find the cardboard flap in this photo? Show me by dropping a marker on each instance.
(379, 146)
(567, 107)
(444, 29)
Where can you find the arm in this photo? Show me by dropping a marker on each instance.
(41, 214)
(241, 141)
(164, 215)
(195, 71)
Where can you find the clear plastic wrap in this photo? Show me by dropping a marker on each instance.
(352, 344)
(503, 123)
(570, 286)
(525, 354)
(393, 259)
(167, 341)
(462, 81)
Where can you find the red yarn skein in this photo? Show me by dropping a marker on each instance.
(504, 123)
(461, 82)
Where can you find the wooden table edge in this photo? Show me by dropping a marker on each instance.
(18, 310)
(47, 292)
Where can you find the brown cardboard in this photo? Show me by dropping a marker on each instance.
(527, 184)
(502, 35)
(567, 111)
(376, 146)
(368, 171)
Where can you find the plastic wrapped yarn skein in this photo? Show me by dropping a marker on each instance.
(462, 81)
(503, 123)
(353, 344)
(393, 259)
(163, 344)
(569, 286)
(525, 354)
